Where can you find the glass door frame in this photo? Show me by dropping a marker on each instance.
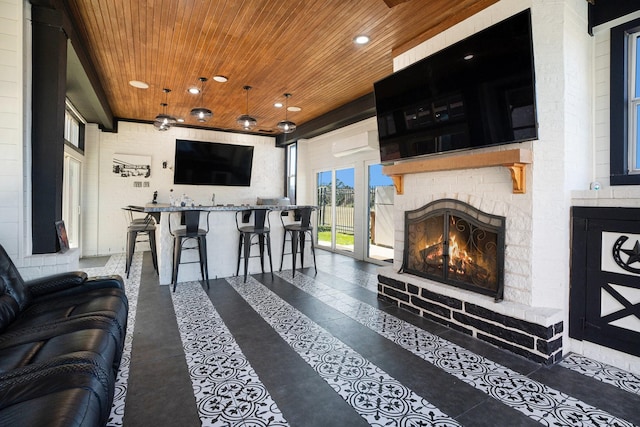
(332, 213)
(367, 215)
(333, 247)
(72, 198)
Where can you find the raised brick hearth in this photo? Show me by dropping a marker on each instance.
(535, 333)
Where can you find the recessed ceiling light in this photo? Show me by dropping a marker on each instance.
(139, 84)
(294, 108)
(194, 90)
(468, 57)
(221, 79)
(278, 104)
(362, 39)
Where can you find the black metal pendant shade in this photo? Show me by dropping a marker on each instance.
(201, 114)
(285, 125)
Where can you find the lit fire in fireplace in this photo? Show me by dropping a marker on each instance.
(461, 264)
(455, 246)
(459, 259)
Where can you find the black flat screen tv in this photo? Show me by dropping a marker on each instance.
(475, 93)
(212, 163)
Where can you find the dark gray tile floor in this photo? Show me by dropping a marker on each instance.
(324, 351)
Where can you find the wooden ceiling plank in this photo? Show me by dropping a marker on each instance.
(302, 47)
(452, 19)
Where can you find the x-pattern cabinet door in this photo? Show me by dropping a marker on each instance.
(605, 278)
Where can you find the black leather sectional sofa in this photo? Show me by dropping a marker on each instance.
(61, 340)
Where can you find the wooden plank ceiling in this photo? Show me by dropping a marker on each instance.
(302, 47)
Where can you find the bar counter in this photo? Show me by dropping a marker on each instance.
(222, 241)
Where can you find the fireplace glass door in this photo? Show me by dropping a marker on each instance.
(454, 243)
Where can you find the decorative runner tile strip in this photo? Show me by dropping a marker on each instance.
(228, 391)
(624, 380)
(542, 403)
(116, 265)
(374, 394)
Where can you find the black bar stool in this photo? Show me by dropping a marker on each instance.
(261, 229)
(139, 226)
(191, 231)
(297, 232)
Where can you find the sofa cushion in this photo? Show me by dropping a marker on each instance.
(36, 344)
(71, 390)
(107, 302)
(96, 341)
(76, 407)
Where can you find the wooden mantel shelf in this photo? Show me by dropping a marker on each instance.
(515, 160)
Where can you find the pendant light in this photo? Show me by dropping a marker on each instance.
(286, 126)
(163, 122)
(202, 114)
(246, 121)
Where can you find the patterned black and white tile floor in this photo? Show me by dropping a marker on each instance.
(321, 350)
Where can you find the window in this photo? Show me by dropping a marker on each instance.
(634, 103)
(625, 104)
(73, 127)
(292, 160)
(71, 198)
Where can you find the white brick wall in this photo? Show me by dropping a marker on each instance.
(315, 155)
(11, 126)
(104, 222)
(537, 255)
(572, 83)
(15, 204)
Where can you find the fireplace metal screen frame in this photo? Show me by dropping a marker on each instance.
(488, 222)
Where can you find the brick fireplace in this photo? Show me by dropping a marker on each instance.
(533, 193)
(499, 304)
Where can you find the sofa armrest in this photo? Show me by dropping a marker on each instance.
(55, 283)
(92, 283)
(111, 281)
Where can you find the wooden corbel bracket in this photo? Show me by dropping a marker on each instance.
(518, 176)
(398, 183)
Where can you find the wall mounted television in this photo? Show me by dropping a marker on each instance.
(212, 163)
(475, 93)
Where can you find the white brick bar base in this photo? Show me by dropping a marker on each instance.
(535, 333)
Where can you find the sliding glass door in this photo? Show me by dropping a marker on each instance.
(335, 199)
(380, 214)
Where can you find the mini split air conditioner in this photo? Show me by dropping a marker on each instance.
(362, 142)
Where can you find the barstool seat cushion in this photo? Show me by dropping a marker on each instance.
(297, 227)
(183, 233)
(140, 227)
(252, 229)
